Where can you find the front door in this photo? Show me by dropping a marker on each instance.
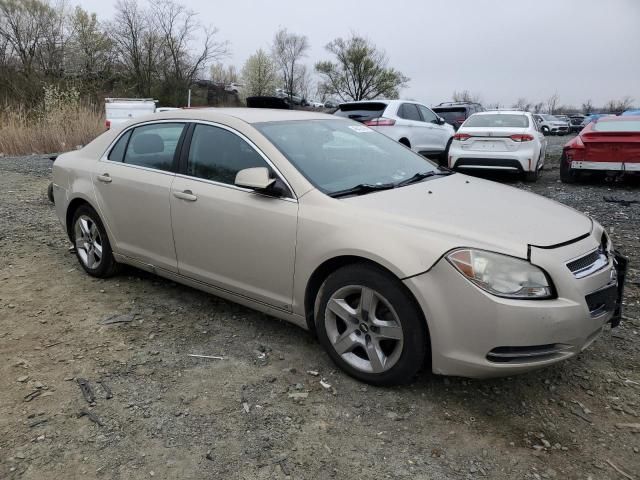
(231, 237)
(132, 185)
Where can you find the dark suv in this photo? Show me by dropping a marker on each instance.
(455, 113)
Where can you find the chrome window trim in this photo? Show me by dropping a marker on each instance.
(252, 145)
(105, 155)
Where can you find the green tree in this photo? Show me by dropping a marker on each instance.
(260, 74)
(359, 72)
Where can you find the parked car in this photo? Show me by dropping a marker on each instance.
(576, 123)
(499, 140)
(593, 116)
(292, 98)
(410, 123)
(633, 112)
(455, 113)
(609, 145)
(396, 261)
(551, 125)
(121, 110)
(331, 104)
(315, 104)
(233, 87)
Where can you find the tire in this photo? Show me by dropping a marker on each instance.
(545, 130)
(50, 193)
(531, 177)
(566, 174)
(443, 161)
(387, 346)
(91, 243)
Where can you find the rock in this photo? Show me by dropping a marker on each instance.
(23, 378)
(298, 395)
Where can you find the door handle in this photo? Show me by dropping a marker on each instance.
(105, 178)
(185, 195)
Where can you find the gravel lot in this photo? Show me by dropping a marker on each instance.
(261, 411)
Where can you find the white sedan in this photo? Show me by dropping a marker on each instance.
(499, 140)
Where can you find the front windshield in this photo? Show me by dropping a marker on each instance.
(336, 155)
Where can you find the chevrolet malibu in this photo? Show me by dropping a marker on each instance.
(393, 262)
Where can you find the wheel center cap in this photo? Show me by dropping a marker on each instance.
(364, 328)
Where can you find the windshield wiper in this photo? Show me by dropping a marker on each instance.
(421, 176)
(362, 189)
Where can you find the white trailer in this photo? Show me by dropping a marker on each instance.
(120, 110)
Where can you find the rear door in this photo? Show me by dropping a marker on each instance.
(132, 185)
(227, 236)
(419, 132)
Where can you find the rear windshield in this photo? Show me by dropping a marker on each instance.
(361, 111)
(617, 126)
(497, 120)
(451, 114)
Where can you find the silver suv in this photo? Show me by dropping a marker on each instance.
(551, 125)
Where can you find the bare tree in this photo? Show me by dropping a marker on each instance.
(552, 103)
(538, 107)
(587, 107)
(522, 104)
(288, 49)
(619, 106)
(224, 74)
(360, 71)
(260, 74)
(466, 96)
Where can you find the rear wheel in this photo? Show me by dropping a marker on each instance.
(531, 177)
(444, 157)
(545, 130)
(567, 175)
(92, 244)
(370, 326)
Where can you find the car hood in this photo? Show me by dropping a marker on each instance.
(458, 210)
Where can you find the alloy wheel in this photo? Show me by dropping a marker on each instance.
(364, 329)
(88, 242)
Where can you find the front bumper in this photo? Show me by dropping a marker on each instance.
(475, 334)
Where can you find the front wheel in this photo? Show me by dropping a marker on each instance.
(545, 130)
(370, 326)
(92, 244)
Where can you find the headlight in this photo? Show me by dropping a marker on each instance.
(501, 275)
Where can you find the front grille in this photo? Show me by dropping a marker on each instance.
(533, 353)
(584, 262)
(588, 264)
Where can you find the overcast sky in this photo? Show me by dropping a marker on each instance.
(499, 49)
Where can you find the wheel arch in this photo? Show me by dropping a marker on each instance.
(405, 141)
(322, 272)
(74, 204)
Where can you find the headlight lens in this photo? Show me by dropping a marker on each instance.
(501, 275)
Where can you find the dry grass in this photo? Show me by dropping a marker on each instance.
(25, 132)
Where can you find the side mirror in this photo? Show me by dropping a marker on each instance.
(440, 121)
(256, 178)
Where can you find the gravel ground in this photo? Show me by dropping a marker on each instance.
(261, 411)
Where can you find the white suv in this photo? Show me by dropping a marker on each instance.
(410, 123)
(499, 140)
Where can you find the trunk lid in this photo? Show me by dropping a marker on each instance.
(611, 147)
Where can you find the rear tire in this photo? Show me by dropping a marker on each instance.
(545, 130)
(91, 243)
(567, 175)
(443, 161)
(370, 325)
(531, 177)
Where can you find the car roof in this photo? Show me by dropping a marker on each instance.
(499, 112)
(248, 115)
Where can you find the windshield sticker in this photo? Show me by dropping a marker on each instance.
(360, 129)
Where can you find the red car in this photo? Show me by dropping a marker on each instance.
(608, 145)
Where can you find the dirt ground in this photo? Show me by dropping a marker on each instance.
(261, 411)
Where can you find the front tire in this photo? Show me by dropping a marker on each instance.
(545, 130)
(370, 325)
(91, 243)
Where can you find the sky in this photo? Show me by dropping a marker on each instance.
(498, 49)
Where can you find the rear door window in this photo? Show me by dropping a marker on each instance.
(453, 114)
(409, 111)
(117, 152)
(361, 112)
(154, 146)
